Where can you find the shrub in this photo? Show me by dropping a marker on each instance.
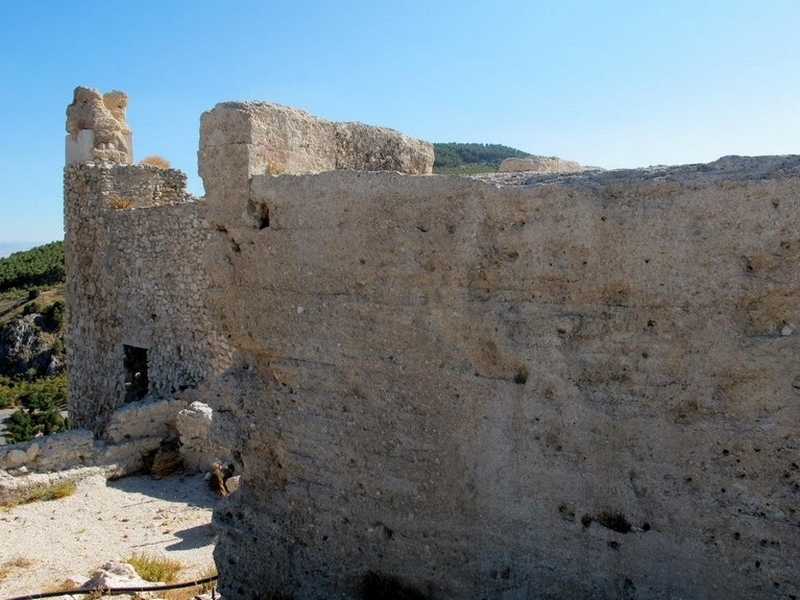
(40, 416)
(155, 161)
(54, 316)
(32, 308)
(19, 427)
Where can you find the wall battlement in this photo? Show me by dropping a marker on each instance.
(527, 387)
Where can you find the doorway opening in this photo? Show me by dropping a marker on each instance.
(135, 364)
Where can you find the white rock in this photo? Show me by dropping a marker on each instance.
(539, 164)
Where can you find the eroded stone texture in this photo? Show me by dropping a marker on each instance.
(574, 386)
(197, 448)
(539, 164)
(241, 139)
(135, 279)
(104, 116)
(578, 388)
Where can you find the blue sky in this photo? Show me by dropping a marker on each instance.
(608, 83)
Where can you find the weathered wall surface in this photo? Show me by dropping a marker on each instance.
(242, 139)
(585, 387)
(135, 276)
(562, 386)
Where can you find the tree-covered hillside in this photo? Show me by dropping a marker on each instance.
(32, 353)
(455, 158)
(40, 266)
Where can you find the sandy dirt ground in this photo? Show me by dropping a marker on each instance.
(44, 543)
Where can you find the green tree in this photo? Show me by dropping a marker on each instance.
(54, 316)
(19, 427)
(471, 158)
(40, 416)
(40, 266)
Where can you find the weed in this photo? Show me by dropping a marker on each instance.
(60, 489)
(155, 568)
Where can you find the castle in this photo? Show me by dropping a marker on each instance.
(565, 386)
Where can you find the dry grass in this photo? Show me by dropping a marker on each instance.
(190, 593)
(39, 493)
(15, 564)
(155, 568)
(118, 203)
(155, 161)
(274, 170)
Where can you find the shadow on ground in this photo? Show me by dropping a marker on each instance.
(191, 490)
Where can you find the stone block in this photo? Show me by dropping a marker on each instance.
(144, 419)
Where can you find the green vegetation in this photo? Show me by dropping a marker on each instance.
(32, 353)
(464, 159)
(41, 401)
(39, 267)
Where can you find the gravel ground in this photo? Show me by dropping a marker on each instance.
(44, 543)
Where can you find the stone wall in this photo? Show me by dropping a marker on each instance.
(582, 386)
(135, 284)
(526, 387)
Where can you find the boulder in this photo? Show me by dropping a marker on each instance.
(197, 447)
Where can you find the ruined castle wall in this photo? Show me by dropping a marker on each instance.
(135, 277)
(586, 386)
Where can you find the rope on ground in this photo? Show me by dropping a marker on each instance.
(120, 590)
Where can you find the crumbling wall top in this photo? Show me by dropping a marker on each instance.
(242, 139)
(97, 128)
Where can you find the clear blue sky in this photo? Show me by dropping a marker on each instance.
(613, 84)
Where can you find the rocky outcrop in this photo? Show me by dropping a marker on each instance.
(25, 344)
(539, 164)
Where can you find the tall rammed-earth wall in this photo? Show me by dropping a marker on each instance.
(580, 386)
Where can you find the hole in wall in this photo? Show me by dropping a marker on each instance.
(134, 363)
(375, 585)
(259, 212)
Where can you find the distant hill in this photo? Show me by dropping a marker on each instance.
(37, 267)
(460, 159)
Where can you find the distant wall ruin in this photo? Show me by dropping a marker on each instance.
(572, 386)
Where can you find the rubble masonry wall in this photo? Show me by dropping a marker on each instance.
(135, 276)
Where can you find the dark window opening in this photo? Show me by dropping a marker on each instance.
(136, 382)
